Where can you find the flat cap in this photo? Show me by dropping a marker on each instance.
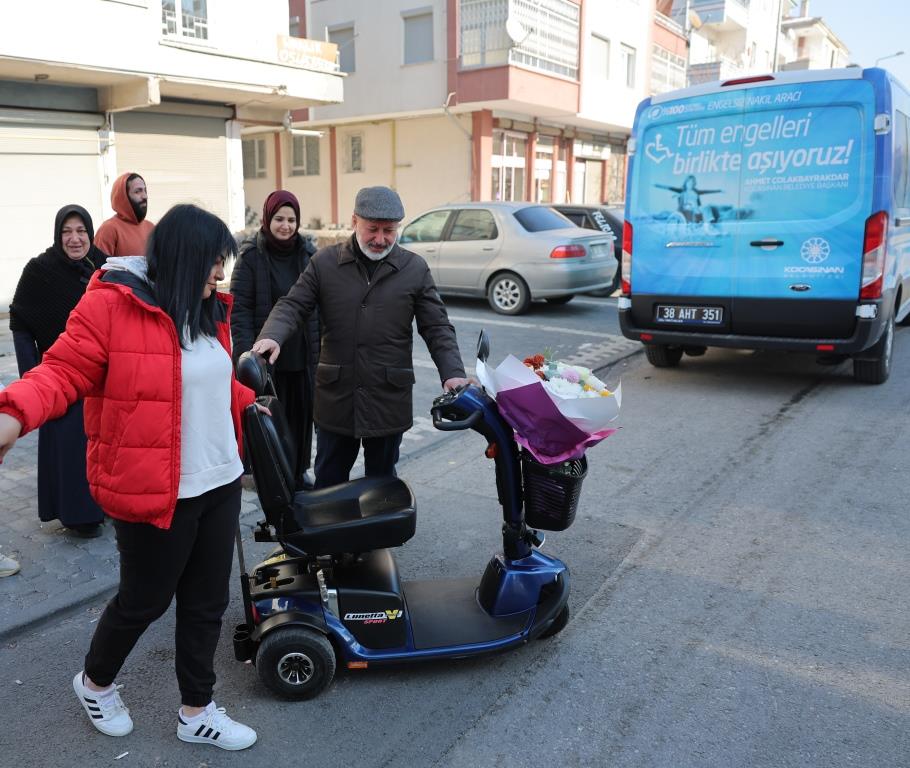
(379, 203)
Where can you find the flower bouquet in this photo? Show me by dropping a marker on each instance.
(557, 410)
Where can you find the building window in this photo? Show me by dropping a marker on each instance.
(600, 56)
(418, 36)
(253, 158)
(294, 26)
(353, 153)
(305, 156)
(508, 163)
(668, 71)
(343, 37)
(192, 21)
(627, 54)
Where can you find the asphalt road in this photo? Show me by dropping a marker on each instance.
(739, 597)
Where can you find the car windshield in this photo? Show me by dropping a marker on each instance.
(537, 218)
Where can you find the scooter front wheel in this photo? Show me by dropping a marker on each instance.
(296, 662)
(559, 623)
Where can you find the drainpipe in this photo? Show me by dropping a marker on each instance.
(468, 136)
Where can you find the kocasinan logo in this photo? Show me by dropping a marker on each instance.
(814, 251)
(654, 113)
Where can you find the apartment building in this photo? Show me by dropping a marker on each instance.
(91, 88)
(808, 43)
(668, 51)
(450, 100)
(731, 38)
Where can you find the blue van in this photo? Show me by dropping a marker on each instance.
(771, 212)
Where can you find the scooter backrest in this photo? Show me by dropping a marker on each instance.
(272, 456)
(252, 372)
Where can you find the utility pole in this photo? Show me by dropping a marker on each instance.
(780, 7)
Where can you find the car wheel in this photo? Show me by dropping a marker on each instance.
(561, 299)
(663, 355)
(295, 662)
(508, 294)
(877, 369)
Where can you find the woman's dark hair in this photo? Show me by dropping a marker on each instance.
(181, 252)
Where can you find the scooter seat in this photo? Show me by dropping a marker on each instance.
(359, 516)
(362, 515)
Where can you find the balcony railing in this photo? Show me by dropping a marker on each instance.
(725, 14)
(538, 34)
(710, 71)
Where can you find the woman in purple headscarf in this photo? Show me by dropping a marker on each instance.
(270, 262)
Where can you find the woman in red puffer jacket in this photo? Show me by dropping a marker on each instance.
(148, 347)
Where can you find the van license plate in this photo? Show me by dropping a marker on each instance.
(674, 313)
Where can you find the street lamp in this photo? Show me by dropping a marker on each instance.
(889, 56)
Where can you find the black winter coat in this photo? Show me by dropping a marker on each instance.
(366, 370)
(251, 287)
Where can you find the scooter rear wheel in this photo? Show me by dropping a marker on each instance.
(296, 662)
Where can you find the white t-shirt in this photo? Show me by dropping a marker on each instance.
(208, 445)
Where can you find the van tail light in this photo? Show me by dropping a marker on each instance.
(874, 256)
(568, 252)
(626, 266)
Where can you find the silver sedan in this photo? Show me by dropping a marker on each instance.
(511, 253)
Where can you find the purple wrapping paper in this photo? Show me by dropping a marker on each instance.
(541, 428)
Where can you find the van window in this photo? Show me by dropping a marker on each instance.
(772, 164)
(901, 170)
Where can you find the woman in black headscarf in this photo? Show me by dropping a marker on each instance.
(270, 262)
(50, 286)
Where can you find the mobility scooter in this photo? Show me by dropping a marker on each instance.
(331, 594)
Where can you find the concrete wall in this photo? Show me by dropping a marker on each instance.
(606, 97)
(381, 84)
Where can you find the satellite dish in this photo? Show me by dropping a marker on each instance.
(516, 31)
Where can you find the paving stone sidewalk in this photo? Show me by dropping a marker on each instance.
(58, 570)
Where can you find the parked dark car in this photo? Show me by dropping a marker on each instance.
(603, 218)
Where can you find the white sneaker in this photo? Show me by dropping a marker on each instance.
(106, 710)
(213, 726)
(8, 566)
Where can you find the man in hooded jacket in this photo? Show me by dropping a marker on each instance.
(125, 233)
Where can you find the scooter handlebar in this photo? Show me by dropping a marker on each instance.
(453, 426)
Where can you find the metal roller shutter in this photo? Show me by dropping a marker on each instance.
(43, 167)
(183, 159)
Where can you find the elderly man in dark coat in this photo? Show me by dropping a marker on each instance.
(368, 291)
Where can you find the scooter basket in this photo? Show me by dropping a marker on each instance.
(551, 491)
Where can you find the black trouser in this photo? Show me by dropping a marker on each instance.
(336, 454)
(192, 560)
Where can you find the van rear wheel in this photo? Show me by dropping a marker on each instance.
(663, 355)
(877, 368)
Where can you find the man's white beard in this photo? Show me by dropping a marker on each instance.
(375, 256)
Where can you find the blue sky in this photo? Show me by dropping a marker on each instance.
(870, 29)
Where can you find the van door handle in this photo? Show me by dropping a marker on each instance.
(768, 242)
(487, 249)
(902, 221)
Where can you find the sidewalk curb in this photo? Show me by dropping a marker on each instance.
(32, 619)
